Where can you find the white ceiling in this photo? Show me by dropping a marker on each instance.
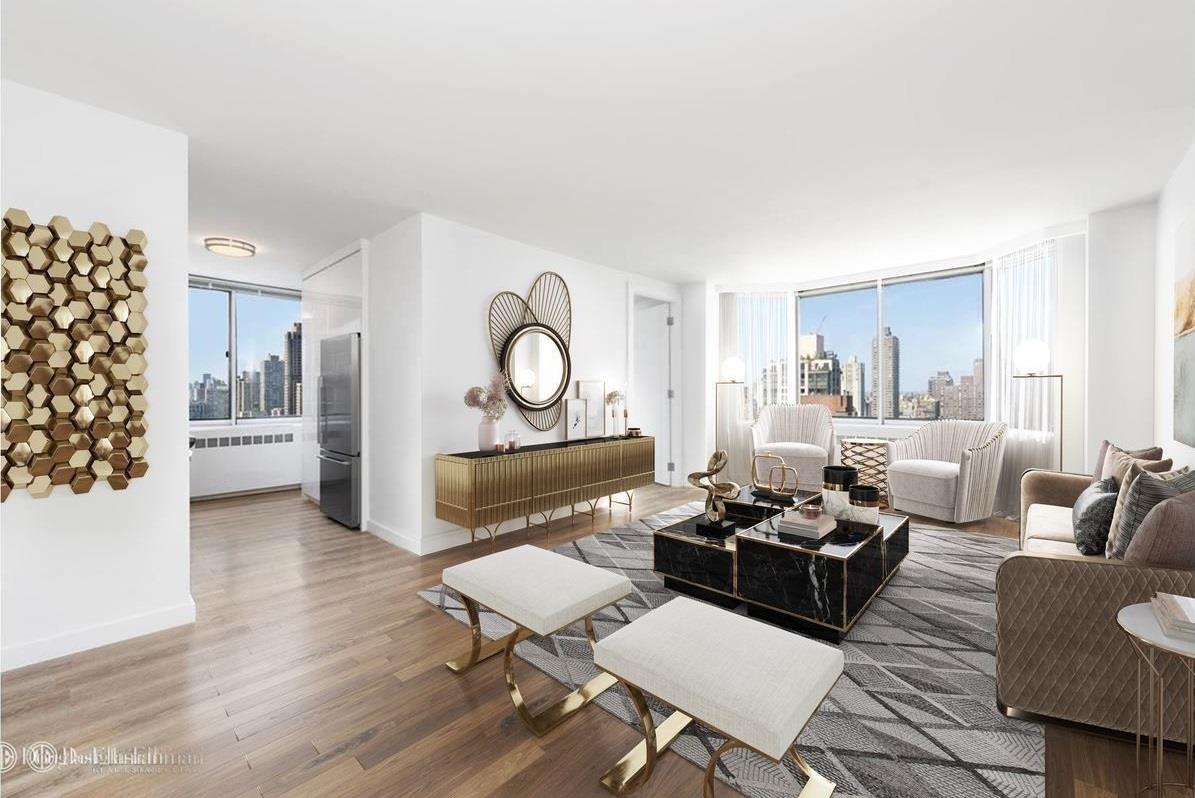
(730, 140)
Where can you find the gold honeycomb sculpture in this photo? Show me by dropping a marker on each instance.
(74, 356)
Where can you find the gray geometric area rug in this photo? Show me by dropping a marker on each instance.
(914, 713)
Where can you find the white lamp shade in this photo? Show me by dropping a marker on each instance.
(1031, 356)
(734, 369)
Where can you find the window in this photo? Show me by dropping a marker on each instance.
(889, 349)
(933, 347)
(269, 376)
(837, 332)
(246, 352)
(208, 336)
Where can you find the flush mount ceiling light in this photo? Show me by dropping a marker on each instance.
(229, 247)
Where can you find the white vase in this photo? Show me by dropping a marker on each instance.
(487, 434)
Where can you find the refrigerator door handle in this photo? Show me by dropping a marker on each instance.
(331, 459)
(321, 409)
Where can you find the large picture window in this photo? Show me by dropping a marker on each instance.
(887, 349)
(932, 347)
(246, 352)
(837, 328)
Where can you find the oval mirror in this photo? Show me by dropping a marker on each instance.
(536, 365)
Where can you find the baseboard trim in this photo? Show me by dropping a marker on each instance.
(21, 655)
(393, 537)
(239, 493)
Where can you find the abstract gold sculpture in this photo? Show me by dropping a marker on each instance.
(74, 356)
(778, 468)
(716, 492)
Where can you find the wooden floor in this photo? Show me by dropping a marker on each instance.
(314, 669)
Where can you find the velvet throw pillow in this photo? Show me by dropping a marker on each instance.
(1166, 538)
(1146, 492)
(1151, 453)
(1118, 461)
(1092, 516)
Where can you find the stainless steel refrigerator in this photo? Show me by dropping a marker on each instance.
(338, 409)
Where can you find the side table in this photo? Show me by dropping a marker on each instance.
(870, 456)
(1153, 647)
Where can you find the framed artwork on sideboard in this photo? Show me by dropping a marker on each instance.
(594, 394)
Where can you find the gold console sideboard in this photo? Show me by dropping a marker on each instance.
(478, 490)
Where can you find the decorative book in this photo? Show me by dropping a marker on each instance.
(1175, 615)
(792, 523)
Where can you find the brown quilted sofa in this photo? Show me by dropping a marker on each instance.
(1059, 652)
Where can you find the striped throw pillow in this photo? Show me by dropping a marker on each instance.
(1146, 491)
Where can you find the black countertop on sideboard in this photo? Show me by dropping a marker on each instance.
(539, 447)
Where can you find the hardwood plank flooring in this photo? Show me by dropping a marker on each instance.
(314, 669)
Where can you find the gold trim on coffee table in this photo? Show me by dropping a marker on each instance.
(481, 649)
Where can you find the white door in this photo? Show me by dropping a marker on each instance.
(650, 402)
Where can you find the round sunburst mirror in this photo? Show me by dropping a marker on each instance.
(537, 367)
(530, 340)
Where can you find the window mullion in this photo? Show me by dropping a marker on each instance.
(233, 393)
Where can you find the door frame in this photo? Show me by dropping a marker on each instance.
(670, 295)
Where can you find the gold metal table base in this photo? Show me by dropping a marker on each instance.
(492, 534)
(1154, 725)
(546, 526)
(540, 723)
(629, 503)
(636, 765)
(480, 648)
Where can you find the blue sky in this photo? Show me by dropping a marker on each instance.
(262, 322)
(939, 324)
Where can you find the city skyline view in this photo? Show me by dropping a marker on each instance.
(918, 313)
(931, 347)
(267, 380)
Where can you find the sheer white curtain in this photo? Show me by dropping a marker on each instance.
(758, 329)
(1024, 305)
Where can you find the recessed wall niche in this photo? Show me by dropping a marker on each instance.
(74, 356)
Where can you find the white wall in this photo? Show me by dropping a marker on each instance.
(698, 351)
(1120, 327)
(1176, 207)
(78, 571)
(1070, 349)
(431, 284)
(395, 401)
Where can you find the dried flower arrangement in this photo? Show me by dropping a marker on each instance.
(490, 399)
(614, 398)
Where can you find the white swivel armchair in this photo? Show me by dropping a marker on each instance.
(947, 470)
(801, 435)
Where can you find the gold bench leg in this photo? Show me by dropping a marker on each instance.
(816, 785)
(479, 648)
(547, 719)
(637, 765)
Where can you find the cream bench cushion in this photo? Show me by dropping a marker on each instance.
(755, 682)
(540, 590)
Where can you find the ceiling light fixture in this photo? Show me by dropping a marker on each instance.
(229, 247)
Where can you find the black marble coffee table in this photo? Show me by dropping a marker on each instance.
(817, 587)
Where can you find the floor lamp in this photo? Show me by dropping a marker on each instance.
(1033, 357)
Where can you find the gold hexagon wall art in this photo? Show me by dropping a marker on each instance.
(73, 342)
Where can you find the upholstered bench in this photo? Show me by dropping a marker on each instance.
(754, 684)
(540, 592)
